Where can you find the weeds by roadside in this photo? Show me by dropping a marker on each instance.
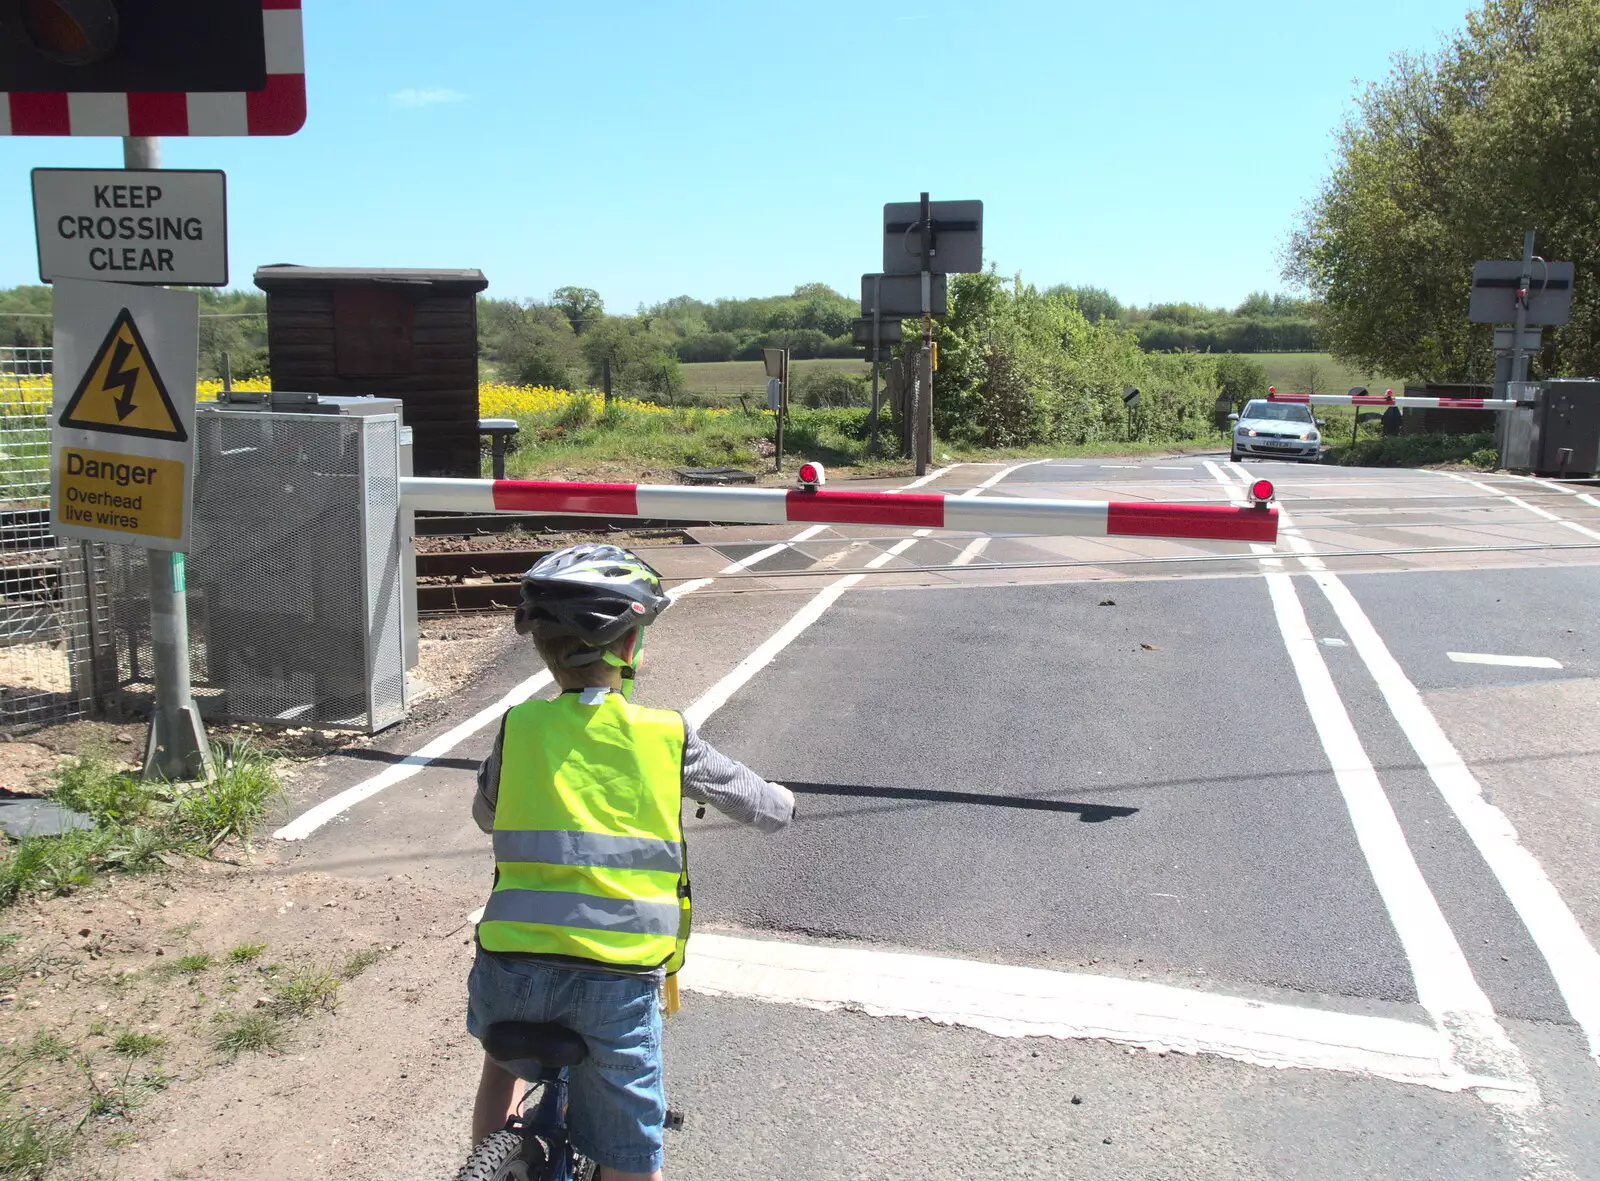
(248, 1033)
(138, 824)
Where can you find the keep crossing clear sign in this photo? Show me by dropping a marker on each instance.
(122, 421)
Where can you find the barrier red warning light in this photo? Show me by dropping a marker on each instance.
(1261, 492)
(812, 476)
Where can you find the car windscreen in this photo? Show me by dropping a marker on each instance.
(1277, 412)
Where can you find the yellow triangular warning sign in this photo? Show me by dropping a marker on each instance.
(121, 393)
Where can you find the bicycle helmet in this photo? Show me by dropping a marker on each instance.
(596, 593)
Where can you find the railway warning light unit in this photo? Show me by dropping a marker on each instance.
(1271, 389)
(1261, 493)
(812, 476)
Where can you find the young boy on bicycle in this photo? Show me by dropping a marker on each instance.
(590, 906)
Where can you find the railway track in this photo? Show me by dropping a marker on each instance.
(475, 580)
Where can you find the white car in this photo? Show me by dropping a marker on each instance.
(1276, 430)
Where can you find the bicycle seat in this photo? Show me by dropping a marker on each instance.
(542, 1042)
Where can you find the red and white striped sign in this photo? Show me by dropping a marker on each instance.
(1405, 403)
(913, 510)
(280, 109)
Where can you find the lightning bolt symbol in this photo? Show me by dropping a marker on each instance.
(118, 378)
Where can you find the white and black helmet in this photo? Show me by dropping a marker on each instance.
(595, 593)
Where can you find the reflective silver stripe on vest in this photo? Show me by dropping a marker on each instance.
(555, 908)
(598, 850)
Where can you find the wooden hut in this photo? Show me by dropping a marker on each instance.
(407, 334)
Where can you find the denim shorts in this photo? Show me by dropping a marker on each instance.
(619, 1106)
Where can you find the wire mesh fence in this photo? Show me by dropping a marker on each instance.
(54, 603)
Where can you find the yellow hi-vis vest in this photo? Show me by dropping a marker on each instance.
(588, 836)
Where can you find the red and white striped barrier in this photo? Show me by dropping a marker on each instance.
(279, 109)
(1405, 403)
(778, 506)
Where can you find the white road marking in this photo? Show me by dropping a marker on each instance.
(308, 822)
(927, 479)
(1159, 468)
(1446, 986)
(1010, 1001)
(772, 550)
(975, 547)
(1523, 504)
(717, 696)
(1572, 959)
(1505, 661)
(1120, 467)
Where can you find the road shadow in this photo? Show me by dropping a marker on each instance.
(1088, 813)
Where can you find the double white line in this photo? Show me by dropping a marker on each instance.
(1445, 984)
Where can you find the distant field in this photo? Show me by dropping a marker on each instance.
(731, 378)
(1291, 373)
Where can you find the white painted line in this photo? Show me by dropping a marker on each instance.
(1573, 961)
(1446, 986)
(1504, 661)
(1000, 475)
(308, 822)
(975, 547)
(773, 550)
(927, 479)
(1120, 467)
(895, 550)
(1159, 468)
(1010, 1001)
(1572, 958)
(717, 696)
(1523, 504)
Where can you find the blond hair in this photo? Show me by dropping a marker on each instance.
(555, 651)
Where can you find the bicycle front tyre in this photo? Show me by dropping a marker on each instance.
(498, 1158)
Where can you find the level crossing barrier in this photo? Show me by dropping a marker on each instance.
(912, 510)
(1404, 402)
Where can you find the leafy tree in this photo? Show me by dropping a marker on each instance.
(1096, 303)
(529, 343)
(1448, 160)
(581, 305)
(641, 359)
(1240, 378)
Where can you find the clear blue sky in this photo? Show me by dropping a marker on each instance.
(740, 147)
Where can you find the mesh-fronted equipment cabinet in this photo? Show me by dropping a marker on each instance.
(296, 614)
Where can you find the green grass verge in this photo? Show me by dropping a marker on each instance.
(624, 442)
(137, 823)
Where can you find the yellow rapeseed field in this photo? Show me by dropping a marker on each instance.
(18, 395)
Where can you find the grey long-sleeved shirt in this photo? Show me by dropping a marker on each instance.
(709, 777)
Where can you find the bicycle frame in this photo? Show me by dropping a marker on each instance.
(547, 1122)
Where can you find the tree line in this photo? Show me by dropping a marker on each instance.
(1263, 323)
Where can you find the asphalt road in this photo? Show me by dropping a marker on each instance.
(1185, 779)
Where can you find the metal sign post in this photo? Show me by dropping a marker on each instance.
(924, 242)
(777, 365)
(122, 462)
(1525, 295)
